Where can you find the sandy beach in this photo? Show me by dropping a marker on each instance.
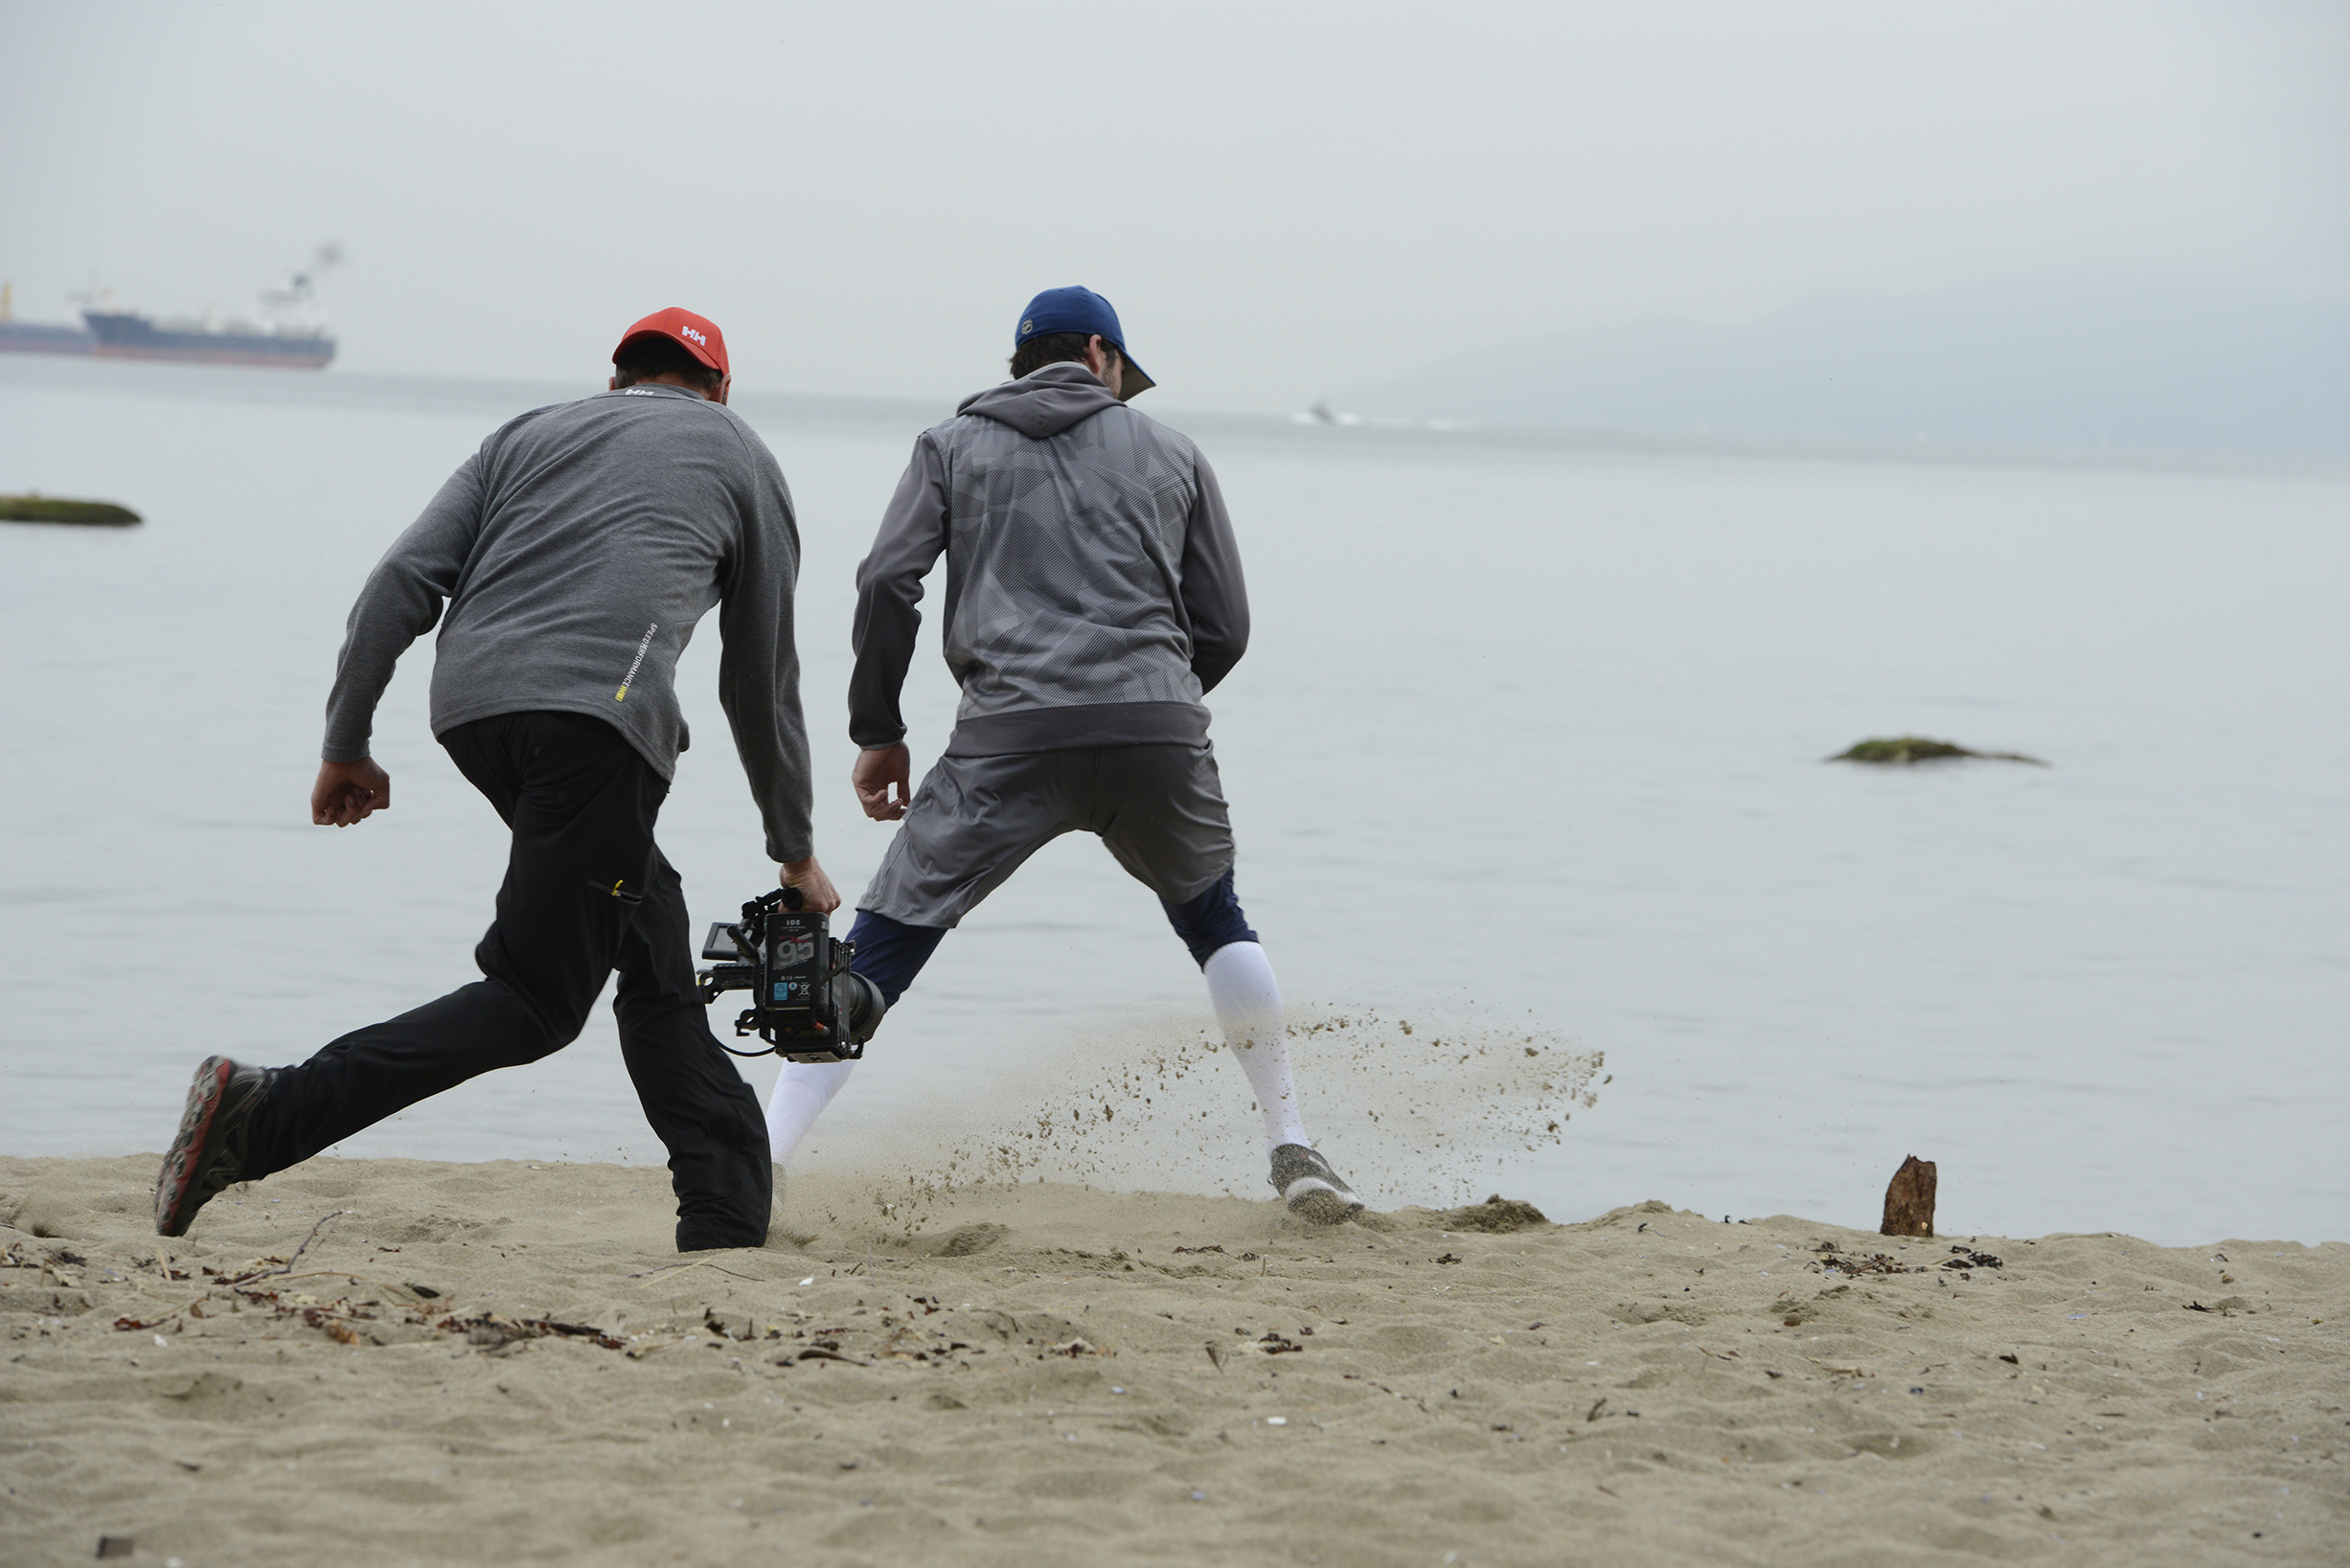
(407, 1362)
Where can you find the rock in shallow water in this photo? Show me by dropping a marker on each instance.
(51, 509)
(1904, 749)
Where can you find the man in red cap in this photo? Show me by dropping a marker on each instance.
(575, 552)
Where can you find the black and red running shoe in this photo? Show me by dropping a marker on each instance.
(209, 1152)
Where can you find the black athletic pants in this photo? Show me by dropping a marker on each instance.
(586, 892)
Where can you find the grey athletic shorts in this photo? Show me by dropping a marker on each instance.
(1160, 808)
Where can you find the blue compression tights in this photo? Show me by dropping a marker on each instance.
(890, 953)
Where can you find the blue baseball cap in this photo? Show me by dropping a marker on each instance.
(1075, 309)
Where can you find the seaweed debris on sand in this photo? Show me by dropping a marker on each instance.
(1497, 1215)
(37, 508)
(1904, 749)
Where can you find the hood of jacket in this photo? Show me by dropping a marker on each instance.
(1045, 401)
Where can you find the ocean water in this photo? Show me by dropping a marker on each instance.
(1529, 745)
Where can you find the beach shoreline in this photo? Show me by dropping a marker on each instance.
(413, 1361)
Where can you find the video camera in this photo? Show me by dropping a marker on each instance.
(806, 1002)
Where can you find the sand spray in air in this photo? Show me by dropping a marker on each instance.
(1413, 1109)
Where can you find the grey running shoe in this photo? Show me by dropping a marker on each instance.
(1313, 1191)
(209, 1152)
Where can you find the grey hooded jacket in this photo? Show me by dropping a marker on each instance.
(1093, 588)
(577, 550)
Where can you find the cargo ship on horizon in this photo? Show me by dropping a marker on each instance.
(38, 336)
(291, 332)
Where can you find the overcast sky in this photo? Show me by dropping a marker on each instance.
(1280, 199)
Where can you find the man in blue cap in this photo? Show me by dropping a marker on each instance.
(1093, 599)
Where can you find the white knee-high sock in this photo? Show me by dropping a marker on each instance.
(801, 1094)
(1247, 1001)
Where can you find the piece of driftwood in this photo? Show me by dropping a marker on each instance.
(1909, 1200)
(1903, 750)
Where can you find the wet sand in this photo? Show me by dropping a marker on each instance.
(504, 1363)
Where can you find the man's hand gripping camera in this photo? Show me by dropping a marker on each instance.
(806, 1002)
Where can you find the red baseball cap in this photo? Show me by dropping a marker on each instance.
(699, 335)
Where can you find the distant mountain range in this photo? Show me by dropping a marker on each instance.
(2067, 363)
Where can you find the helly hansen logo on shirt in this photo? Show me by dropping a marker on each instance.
(643, 643)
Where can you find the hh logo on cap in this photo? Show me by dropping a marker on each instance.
(695, 335)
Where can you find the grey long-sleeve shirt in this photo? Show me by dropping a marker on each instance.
(576, 551)
(1093, 588)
